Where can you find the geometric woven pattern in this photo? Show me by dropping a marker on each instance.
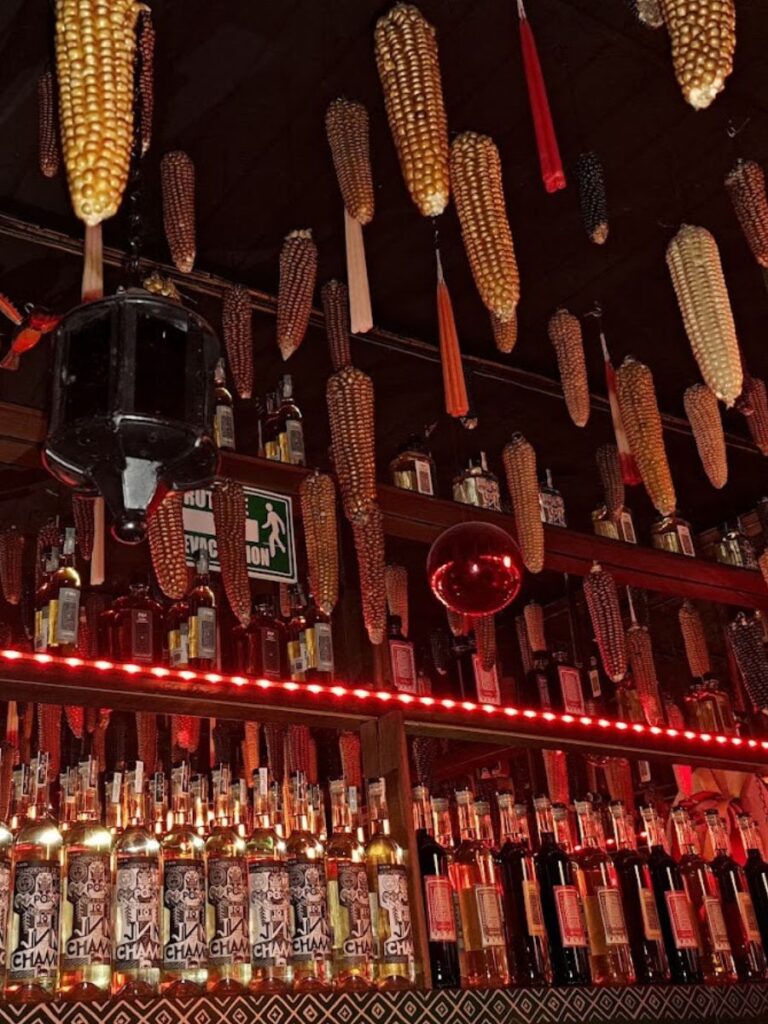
(638, 1004)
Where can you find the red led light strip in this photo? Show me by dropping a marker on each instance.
(584, 724)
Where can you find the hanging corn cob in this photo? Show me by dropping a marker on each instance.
(351, 758)
(565, 335)
(479, 198)
(694, 641)
(640, 652)
(94, 63)
(697, 275)
(519, 460)
(48, 152)
(298, 272)
(409, 69)
(350, 411)
(250, 749)
(313, 775)
(49, 735)
(484, 628)
(335, 299)
(396, 585)
(594, 206)
(82, 513)
(228, 500)
(424, 753)
(757, 397)
(177, 178)
(703, 35)
(642, 423)
(605, 615)
(11, 549)
(6, 779)
(238, 337)
(609, 467)
(459, 625)
(274, 736)
(298, 748)
(318, 511)
(167, 546)
(368, 533)
(504, 332)
(146, 33)
(556, 771)
(704, 416)
(533, 616)
(763, 564)
(746, 188)
(618, 776)
(346, 125)
(747, 641)
(75, 716)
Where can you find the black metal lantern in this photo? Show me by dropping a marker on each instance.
(133, 404)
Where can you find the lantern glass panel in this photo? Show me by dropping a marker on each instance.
(87, 392)
(161, 364)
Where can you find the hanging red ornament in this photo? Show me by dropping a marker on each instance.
(475, 568)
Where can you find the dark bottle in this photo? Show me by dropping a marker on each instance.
(438, 896)
(264, 642)
(738, 910)
(527, 946)
(565, 689)
(561, 905)
(673, 906)
(318, 644)
(201, 622)
(177, 634)
(137, 627)
(224, 419)
(756, 871)
(643, 926)
(297, 640)
(269, 431)
(50, 564)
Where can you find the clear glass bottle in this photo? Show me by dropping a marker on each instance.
(158, 798)
(137, 627)
(224, 417)
(671, 533)
(395, 964)
(289, 427)
(756, 872)
(64, 601)
(185, 950)
(297, 641)
(137, 909)
(33, 949)
(485, 830)
(551, 502)
(270, 443)
(565, 686)
(201, 623)
(475, 878)
(86, 940)
(348, 897)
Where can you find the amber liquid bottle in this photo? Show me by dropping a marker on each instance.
(201, 622)
(438, 897)
(64, 601)
(297, 641)
(756, 871)
(137, 627)
(318, 644)
(224, 418)
(264, 641)
(50, 564)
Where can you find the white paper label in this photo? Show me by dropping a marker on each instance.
(489, 916)
(573, 932)
(612, 916)
(486, 682)
(228, 900)
(439, 899)
(718, 933)
(681, 919)
(748, 916)
(137, 914)
(268, 892)
(423, 476)
(533, 912)
(392, 881)
(651, 923)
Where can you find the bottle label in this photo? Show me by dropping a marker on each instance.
(543, 687)
(178, 645)
(748, 916)
(594, 683)
(686, 543)
(224, 427)
(488, 494)
(228, 900)
(441, 926)
(651, 923)
(319, 647)
(627, 527)
(5, 900)
(202, 634)
(570, 686)
(718, 933)
(309, 911)
(644, 771)
(352, 927)
(403, 665)
(681, 919)
(142, 622)
(137, 914)
(489, 916)
(423, 473)
(392, 885)
(270, 653)
(36, 893)
(185, 947)
(86, 912)
(67, 615)
(612, 916)
(570, 916)
(486, 682)
(269, 897)
(41, 629)
(533, 912)
(53, 622)
(297, 657)
(295, 432)
(552, 508)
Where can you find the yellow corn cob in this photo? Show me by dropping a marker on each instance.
(47, 130)
(609, 467)
(350, 412)
(95, 46)
(565, 335)
(746, 188)
(640, 651)
(642, 423)
(335, 298)
(409, 69)
(520, 467)
(396, 585)
(318, 511)
(346, 125)
(605, 615)
(11, 549)
(479, 196)
(504, 332)
(697, 275)
(146, 76)
(167, 546)
(756, 396)
(238, 337)
(177, 177)
(484, 627)
(82, 512)
(694, 640)
(350, 751)
(228, 500)
(703, 35)
(298, 271)
(704, 416)
(368, 532)
(533, 616)
(250, 748)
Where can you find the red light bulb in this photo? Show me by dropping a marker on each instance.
(475, 568)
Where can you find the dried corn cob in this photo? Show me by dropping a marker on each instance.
(274, 735)
(47, 129)
(318, 512)
(642, 423)
(157, 284)
(703, 35)
(609, 467)
(238, 337)
(346, 125)
(177, 177)
(6, 779)
(746, 637)
(523, 643)
(396, 585)
(75, 716)
(368, 533)
(250, 747)
(746, 189)
(167, 545)
(228, 500)
(565, 335)
(479, 198)
(298, 748)
(146, 33)
(335, 300)
(640, 651)
(409, 69)
(350, 411)
(694, 641)
(484, 627)
(298, 271)
(618, 776)
(556, 770)
(351, 762)
(533, 616)
(94, 61)
(459, 625)
(763, 563)
(146, 736)
(47, 537)
(594, 206)
(757, 397)
(697, 275)
(605, 615)
(704, 416)
(284, 600)
(194, 733)
(504, 332)
(49, 735)
(424, 752)
(82, 513)
(11, 548)
(312, 769)
(85, 637)
(520, 467)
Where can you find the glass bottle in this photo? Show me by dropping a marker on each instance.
(671, 533)
(437, 894)
(201, 623)
(551, 504)
(475, 877)
(610, 958)
(476, 485)
(643, 926)
(402, 659)
(33, 949)
(42, 629)
(185, 950)
(64, 600)
(395, 964)
(264, 641)
(159, 803)
(565, 688)
(86, 942)
(270, 433)
(561, 903)
(137, 627)
(137, 910)
(348, 898)
(756, 872)
(177, 634)
(268, 894)
(318, 644)
(297, 641)
(738, 909)
(527, 945)
(413, 468)
(537, 693)
(290, 429)
(485, 825)
(310, 925)
(224, 417)
(673, 905)
(6, 856)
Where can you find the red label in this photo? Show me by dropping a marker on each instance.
(681, 919)
(487, 682)
(440, 921)
(569, 913)
(713, 913)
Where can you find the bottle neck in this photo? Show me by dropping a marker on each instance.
(422, 814)
(750, 837)
(378, 815)
(684, 833)
(509, 826)
(341, 818)
(441, 819)
(299, 803)
(652, 828)
(619, 826)
(587, 827)
(718, 834)
(562, 827)
(545, 825)
(467, 815)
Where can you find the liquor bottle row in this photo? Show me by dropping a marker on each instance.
(281, 428)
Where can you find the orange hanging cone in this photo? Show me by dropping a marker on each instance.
(454, 385)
